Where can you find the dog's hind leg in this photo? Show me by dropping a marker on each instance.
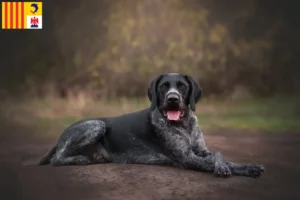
(76, 140)
(47, 157)
(71, 160)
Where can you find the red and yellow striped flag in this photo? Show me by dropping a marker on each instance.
(21, 15)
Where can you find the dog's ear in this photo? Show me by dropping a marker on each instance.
(152, 90)
(195, 92)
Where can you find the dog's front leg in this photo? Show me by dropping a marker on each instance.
(199, 148)
(181, 153)
(249, 170)
(212, 163)
(198, 143)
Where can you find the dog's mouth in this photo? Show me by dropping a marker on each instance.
(173, 115)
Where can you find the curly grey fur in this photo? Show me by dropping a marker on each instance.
(185, 145)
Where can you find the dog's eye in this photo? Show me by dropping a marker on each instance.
(181, 87)
(164, 86)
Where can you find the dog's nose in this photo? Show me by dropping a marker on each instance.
(173, 98)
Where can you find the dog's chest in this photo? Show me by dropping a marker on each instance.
(183, 133)
(175, 135)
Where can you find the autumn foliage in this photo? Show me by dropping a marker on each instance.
(114, 48)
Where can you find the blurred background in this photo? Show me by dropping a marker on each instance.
(97, 57)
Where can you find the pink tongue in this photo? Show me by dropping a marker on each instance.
(173, 115)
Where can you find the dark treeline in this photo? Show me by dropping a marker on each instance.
(114, 48)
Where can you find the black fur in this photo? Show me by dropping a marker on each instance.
(195, 94)
(152, 92)
(148, 136)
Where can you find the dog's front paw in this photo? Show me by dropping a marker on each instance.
(222, 170)
(255, 171)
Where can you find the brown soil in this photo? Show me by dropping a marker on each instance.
(21, 178)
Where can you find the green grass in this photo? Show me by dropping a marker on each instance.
(273, 114)
(51, 116)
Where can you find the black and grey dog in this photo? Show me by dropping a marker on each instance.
(167, 133)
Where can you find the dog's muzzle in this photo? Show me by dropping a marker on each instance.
(173, 98)
(172, 110)
(172, 101)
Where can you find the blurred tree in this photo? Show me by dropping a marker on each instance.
(102, 47)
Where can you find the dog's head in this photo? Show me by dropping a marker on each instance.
(173, 94)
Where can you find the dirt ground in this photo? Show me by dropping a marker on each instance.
(21, 178)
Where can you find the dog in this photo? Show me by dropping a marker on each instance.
(166, 133)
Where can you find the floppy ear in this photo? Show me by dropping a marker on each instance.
(152, 92)
(195, 92)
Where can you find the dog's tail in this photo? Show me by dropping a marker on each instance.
(47, 157)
